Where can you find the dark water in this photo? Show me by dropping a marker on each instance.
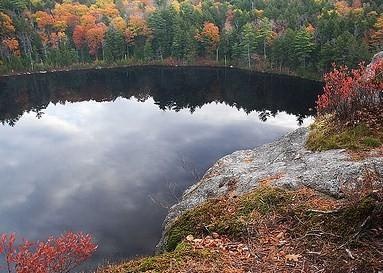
(105, 152)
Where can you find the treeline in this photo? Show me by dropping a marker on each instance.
(186, 88)
(297, 35)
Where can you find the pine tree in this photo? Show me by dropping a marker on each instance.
(264, 35)
(114, 45)
(303, 45)
(148, 50)
(248, 42)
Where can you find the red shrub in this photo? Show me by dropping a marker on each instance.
(348, 92)
(56, 255)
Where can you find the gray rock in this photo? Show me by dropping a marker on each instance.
(285, 162)
(378, 56)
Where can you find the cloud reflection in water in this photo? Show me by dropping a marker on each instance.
(97, 166)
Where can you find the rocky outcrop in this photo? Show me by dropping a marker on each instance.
(377, 57)
(285, 163)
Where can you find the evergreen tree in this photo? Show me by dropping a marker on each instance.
(303, 46)
(114, 45)
(249, 43)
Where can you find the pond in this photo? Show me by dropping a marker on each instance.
(108, 151)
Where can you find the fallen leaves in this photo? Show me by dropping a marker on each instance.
(293, 257)
(308, 232)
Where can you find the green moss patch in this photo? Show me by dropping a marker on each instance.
(226, 216)
(326, 134)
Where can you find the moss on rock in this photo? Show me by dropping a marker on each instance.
(226, 216)
(326, 134)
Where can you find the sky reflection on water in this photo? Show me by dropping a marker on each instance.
(110, 167)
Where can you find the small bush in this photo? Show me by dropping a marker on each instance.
(348, 92)
(350, 112)
(56, 255)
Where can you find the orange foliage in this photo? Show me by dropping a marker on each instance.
(310, 29)
(79, 36)
(70, 13)
(51, 30)
(342, 7)
(12, 45)
(119, 23)
(110, 11)
(94, 37)
(136, 27)
(44, 19)
(209, 35)
(6, 24)
(88, 21)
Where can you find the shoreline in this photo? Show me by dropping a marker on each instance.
(92, 67)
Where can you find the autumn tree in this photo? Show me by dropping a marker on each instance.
(79, 36)
(8, 43)
(376, 34)
(95, 38)
(209, 38)
(136, 33)
(11, 47)
(6, 25)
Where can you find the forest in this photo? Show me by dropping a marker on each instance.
(294, 36)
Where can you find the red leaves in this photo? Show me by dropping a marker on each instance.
(348, 91)
(79, 36)
(55, 255)
(94, 37)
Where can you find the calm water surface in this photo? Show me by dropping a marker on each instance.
(105, 152)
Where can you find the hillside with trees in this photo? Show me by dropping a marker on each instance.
(290, 35)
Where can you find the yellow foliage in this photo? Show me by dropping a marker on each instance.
(6, 24)
(176, 5)
(119, 23)
(259, 12)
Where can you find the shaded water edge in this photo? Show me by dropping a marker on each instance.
(133, 66)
